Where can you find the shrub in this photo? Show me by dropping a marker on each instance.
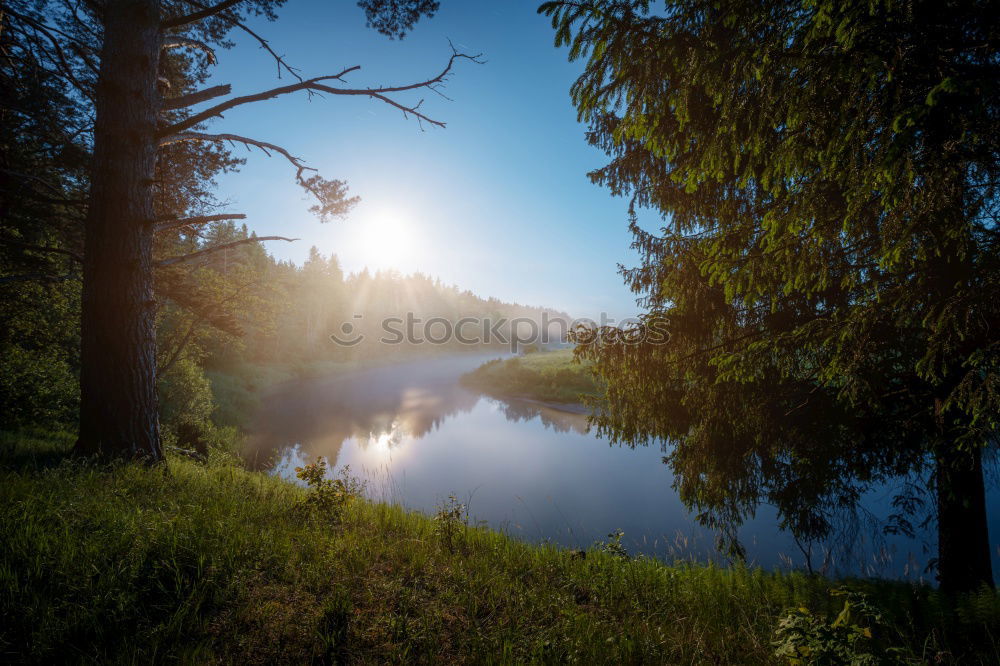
(327, 498)
(450, 520)
(857, 636)
(613, 546)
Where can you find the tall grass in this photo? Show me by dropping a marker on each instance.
(211, 563)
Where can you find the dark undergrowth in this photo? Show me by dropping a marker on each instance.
(208, 563)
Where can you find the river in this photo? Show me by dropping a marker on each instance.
(417, 436)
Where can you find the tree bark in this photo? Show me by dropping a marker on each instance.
(963, 536)
(118, 410)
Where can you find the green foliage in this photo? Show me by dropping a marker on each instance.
(37, 386)
(211, 563)
(857, 636)
(328, 498)
(613, 546)
(185, 395)
(39, 343)
(450, 521)
(550, 376)
(826, 174)
(43, 176)
(393, 18)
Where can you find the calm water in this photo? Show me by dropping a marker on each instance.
(536, 472)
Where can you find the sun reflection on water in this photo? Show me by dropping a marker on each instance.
(384, 443)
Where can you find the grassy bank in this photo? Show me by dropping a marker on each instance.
(210, 563)
(547, 376)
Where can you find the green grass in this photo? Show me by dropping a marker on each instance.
(547, 376)
(210, 563)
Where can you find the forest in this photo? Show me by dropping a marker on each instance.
(730, 394)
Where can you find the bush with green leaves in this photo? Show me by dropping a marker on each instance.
(450, 520)
(613, 546)
(858, 636)
(327, 498)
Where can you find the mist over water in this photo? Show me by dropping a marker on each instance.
(416, 435)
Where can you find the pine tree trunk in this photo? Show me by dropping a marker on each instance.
(118, 410)
(963, 536)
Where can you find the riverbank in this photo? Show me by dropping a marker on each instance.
(214, 564)
(551, 377)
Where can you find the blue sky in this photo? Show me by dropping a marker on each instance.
(498, 202)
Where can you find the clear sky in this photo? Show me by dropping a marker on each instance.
(498, 202)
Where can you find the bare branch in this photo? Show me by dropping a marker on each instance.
(266, 147)
(204, 13)
(264, 44)
(331, 194)
(178, 41)
(217, 110)
(166, 225)
(196, 97)
(317, 85)
(201, 254)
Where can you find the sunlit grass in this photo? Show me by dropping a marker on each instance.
(210, 562)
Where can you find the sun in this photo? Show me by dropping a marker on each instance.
(385, 237)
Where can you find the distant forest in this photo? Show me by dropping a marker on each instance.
(238, 306)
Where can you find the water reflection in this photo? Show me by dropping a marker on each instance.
(559, 419)
(533, 469)
(416, 435)
(378, 408)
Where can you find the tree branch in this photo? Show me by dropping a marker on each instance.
(166, 225)
(331, 194)
(164, 368)
(58, 56)
(43, 277)
(264, 44)
(218, 109)
(196, 97)
(267, 148)
(316, 85)
(43, 248)
(204, 13)
(198, 318)
(200, 254)
(37, 179)
(179, 41)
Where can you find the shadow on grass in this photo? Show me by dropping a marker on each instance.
(34, 449)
